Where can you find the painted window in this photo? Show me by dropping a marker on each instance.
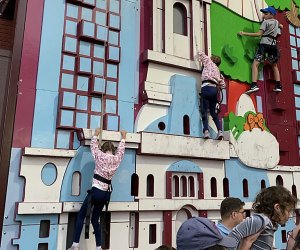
(134, 185)
(245, 188)
(191, 184)
(44, 229)
(183, 184)
(213, 187)
(186, 125)
(152, 233)
(279, 180)
(150, 185)
(179, 19)
(76, 183)
(175, 186)
(225, 187)
(262, 184)
(294, 190)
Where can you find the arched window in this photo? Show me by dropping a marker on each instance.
(179, 19)
(225, 187)
(76, 183)
(134, 185)
(191, 186)
(245, 188)
(175, 186)
(150, 185)
(294, 190)
(262, 184)
(186, 125)
(213, 187)
(279, 180)
(183, 189)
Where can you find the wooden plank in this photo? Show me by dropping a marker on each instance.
(49, 152)
(39, 208)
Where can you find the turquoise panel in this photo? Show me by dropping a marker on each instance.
(125, 111)
(82, 102)
(278, 234)
(98, 68)
(101, 4)
(44, 124)
(71, 28)
(63, 139)
(111, 88)
(88, 29)
(67, 81)
(95, 121)
(294, 53)
(85, 48)
(111, 106)
(8, 233)
(49, 174)
(101, 33)
(299, 141)
(295, 64)
(297, 102)
(114, 21)
(69, 99)
(70, 44)
(76, 143)
(297, 31)
(235, 171)
(298, 115)
(99, 84)
(86, 14)
(96, 104)
(112, 71)
(67, 118)
(99, 51)
(91, 2)
(291, 29)
(184, 166)
(112, 123)
(72, 10)
(81, 120)
(114, 6)
(114, 53)
(68, 62)
(113, 37)
(298, 75)
(292, 41)
(297, 89)
(101, 18)
(85, 64)
(82, 83)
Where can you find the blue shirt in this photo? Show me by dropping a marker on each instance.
(222, 229)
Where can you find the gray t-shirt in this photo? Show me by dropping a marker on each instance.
(270, 31)
(252, 225)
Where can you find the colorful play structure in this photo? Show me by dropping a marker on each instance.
(70, 66)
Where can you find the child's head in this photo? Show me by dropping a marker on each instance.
(216, 60)
(268, 12)
(108, 147)
(275, 202)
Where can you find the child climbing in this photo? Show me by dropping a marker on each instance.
(212, 80)
(267, 48)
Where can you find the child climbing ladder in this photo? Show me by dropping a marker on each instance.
(268, 31)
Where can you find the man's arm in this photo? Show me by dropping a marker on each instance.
(256, 34)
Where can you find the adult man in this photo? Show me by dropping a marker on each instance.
(232, 214)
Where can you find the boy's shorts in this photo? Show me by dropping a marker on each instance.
(267, 52)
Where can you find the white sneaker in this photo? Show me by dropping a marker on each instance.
(206, 134)
(220, 135)
(73, 248)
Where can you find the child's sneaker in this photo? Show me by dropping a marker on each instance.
(253, 88)
(206, 134)
(220, 135)
(278, 88)
(73, 248)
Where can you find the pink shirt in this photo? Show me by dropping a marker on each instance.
(105, 164)
(210, 71)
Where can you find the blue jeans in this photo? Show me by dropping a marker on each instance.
(99, 198)
(209, 99)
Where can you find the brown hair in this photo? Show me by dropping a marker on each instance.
(229, 205)
(268, 197)
(216, 60)
(108, 146)
(165, 247)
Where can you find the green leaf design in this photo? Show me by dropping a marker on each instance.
(280, 4)
(228, 54)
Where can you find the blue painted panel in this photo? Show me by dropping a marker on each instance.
(99, 51)
(49, 174)
(298, 75)
(111, 88)
(92, 2)
(8, 233)
(15, 190)
(85, 48)
(101, 33)
(69, 99)
(295, 64)
(82, 83)
(67, 81)
(99, 84)
(68, 62)
(98, 68)
(113, 37)
(297, 31)
(298, 42)
(297, 102)
(298, 115)
(112, 70)
(114, 53)
(71, 28)
(114, 21)
(88, 29)
(63, 139)
(70, 44)
(28, 220)
(76, 143)
(82, 162)
(101, 4)
(101, 18)
(294, 53)
(235, 171)
(86, 14)
(259, 104)
(95, 121)
(278, 234)
(85, 64)
(299, 141)
(122, 179)
(291, 29)
(114, 6)
(297, 89)
(72, 10)
(125, 111)
(154, 126)
(96, 104)
(292, 41)
(45, 115)
(67, 118)
(81, 120)
(82, 102)
(112, 123)
(184, 166)
(111, 106)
